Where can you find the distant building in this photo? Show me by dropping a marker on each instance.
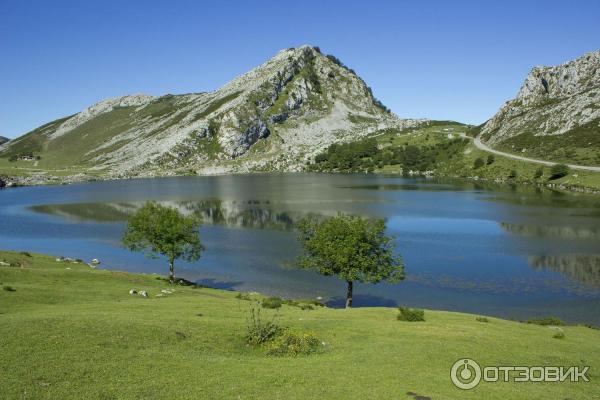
(27, 158)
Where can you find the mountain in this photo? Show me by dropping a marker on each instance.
(275, 117)
(3, 140)
(555, 116)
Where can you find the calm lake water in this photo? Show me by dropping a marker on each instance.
(493, 250)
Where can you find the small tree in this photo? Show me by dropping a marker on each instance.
(559, 171)
(351, 248)
(478, 163)
(156, 229)
(490, 159)
(538, 173)
(513, 174)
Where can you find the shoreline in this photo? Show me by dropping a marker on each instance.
(255, 296)
(16, 182)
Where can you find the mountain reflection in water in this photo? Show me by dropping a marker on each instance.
(579, 268)
(237, 214)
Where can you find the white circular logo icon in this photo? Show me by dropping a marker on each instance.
(465, 374)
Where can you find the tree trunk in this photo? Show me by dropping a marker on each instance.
(349, 295)
(171, 271)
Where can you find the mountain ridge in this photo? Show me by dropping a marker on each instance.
(274, 117)
(555, 114)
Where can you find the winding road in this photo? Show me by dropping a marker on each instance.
(480, 145)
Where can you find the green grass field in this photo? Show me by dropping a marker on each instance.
(71, 332)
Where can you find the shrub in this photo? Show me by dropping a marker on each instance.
(559, 334)
(546, 321)
(9, 288)
(478, 163)
(271, 302)
(411, 314)
(243, 296)
(291, 343)
(481, 319)
(26, 253)
(304, 304)
(490, 159)
(260, 331)
(513, 174)
(538, 173)
(559, 171)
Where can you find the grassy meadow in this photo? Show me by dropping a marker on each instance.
(69, 331)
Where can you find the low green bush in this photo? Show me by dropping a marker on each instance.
(258, 330)
(304, 304)
(243, 296)
(559, 334)
(478, 163)
(482, 319)
(271, 302)
(546, 321)
(558, 171)
(9, 288)
(411, 314)
(293, 343)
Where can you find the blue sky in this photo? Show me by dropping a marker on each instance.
(455, 60)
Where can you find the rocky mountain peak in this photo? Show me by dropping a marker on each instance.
(552, 101)
(276, 116)
(568, 79)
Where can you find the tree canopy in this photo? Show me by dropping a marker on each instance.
(159, 230)
(559, 171)
(351, 248)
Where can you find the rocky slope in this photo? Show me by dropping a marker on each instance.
(275, 117)
(555, 114)
(3, 140)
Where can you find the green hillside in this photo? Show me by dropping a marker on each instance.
(443, 149)
(580, 145)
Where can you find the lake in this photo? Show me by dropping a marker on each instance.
(478, 248)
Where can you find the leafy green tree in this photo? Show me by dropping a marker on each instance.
(158, 230)
(351, 248)
(490, 159)
(513, 174)
(538, 173)
(559, 171)
(478, 163)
